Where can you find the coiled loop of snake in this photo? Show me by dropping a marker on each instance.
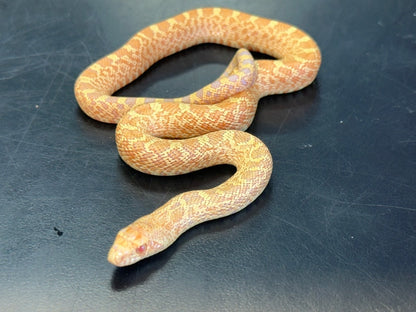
(209, 122)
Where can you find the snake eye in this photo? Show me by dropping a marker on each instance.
(141, 249)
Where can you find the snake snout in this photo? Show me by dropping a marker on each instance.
(124, 252)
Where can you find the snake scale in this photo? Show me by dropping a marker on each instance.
(206, 128)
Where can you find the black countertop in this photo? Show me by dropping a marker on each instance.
(335, 230)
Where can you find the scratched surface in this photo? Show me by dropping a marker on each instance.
(335, 230)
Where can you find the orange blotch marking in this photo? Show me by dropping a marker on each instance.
(243, 16)
(106, 61)
(297, 34)
(226, 12)
(307, 44)
(147, 32)
(193, 13)
(163, 26)
(262, 22)
(286, 71)
(180, 18)
(208, 11)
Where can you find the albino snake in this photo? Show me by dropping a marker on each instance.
(176, 136)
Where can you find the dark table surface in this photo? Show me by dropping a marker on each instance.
(335, 230)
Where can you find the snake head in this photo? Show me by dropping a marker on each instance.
(132, 244)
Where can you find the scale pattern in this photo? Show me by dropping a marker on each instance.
(205, 128)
